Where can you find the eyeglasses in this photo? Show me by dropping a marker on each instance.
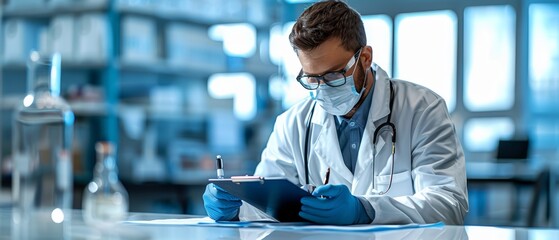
(332, 79)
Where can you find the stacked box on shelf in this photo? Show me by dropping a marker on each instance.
(92, 38)
(80, 38)
(20, 37)
(83, 38)
(197, 10)
(61, 2)
(139, 40)
(185, 159)
(25, 3)
(213, 10)
(62, 36)
(189, 46)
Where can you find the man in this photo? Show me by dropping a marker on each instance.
(390, 145)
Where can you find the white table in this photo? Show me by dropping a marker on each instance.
(78, 230)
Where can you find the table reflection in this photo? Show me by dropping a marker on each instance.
(455, 233)
(79, 230)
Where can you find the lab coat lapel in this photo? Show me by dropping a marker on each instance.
(327, 147)
(377, 114)
(363, 169)
(381, 99)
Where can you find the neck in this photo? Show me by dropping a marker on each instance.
(367, 83)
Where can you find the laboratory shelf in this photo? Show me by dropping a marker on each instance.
(50, 10)
(79, 108)
(66, 65)
(173, 16)
(162, 67)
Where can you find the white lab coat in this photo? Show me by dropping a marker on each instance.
(429, 182)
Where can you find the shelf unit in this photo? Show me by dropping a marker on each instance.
(103, 118)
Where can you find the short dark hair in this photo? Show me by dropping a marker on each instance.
(327, 19)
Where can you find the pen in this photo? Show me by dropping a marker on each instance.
(219, 166)
(327, 178)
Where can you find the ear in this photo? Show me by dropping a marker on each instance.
(367, 56)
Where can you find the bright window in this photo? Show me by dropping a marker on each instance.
(239, 86)
(489, 59)
(483, 134)
(279, 43)
(544, 57)
(239, 39)
(282, 54)
(379, 35)
(425, 50)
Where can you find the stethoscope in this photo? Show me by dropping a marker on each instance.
(388, 124)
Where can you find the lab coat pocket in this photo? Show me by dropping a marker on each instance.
(401, 184)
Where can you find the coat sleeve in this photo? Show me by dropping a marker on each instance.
(438, 174)
(278, 158)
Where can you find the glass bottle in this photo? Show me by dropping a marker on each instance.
(42, 137)
(105, 200)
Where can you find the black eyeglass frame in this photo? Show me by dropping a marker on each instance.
(329, 77)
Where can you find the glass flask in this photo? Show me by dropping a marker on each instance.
(105, 200)
(42, 136)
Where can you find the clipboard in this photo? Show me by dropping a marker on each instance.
(277, 197)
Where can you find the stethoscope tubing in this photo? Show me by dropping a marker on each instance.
(388, 123)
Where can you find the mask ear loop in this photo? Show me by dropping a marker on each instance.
(365, 80)
(313, 94)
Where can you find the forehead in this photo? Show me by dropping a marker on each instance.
(328, 56)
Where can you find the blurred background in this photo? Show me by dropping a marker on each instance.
(176, 82)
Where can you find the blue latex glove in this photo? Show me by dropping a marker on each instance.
(221, 205)
(333, 204)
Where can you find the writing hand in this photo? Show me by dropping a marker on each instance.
(333, 204)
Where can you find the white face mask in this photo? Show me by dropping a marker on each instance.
(338, 100)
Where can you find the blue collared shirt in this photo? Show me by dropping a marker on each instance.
(350, 132)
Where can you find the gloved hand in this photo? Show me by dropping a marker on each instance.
(333, 204)
(221, 205)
